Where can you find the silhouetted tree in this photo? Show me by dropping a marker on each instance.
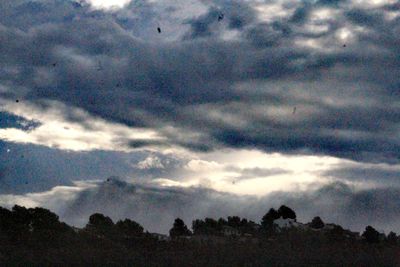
(129, 228)
(43, 219)
(371, 235)
(179, 229)
(234, 221)
(6, 218)
(286, 212)
(209, 222)
(222, 222)
(317, 223)
(268, 219)
(336, 234)
(21, 215)
(207, 227)
(100, 224)
(199, 227)
(392, 238)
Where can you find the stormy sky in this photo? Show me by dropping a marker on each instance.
(201, 108)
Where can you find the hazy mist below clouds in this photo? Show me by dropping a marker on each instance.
(156, 207)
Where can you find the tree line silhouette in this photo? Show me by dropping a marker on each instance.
(36, 237)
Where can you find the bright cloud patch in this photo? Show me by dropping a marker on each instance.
(108, 3)
(55, 130)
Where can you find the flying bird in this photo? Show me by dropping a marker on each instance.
(220, 17)
(159, 29)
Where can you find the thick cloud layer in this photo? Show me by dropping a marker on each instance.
(206, 83)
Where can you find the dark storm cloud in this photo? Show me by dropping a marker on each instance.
(375, 173)
(364, 18)
(102, 62)
(203, 25)
(8, 120)
(300, 15)
(330, 2)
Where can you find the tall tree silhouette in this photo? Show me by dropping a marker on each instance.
(179, 229)
(286, 212)
(100, 224)
(371, 235)
(317, 223)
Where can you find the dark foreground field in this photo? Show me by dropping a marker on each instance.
(35, 237)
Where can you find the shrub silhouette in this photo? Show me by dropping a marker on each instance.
(100, 224)
(392, 238)
(371, 235)
(234, 221)
(286, 212)
(317, 223)
(207, 227)
(336, 234)
(129, 228)
(268, 219)
(179, 229)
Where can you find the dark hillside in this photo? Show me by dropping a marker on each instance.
(36, 237)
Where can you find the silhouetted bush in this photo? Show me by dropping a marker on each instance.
(207, 227)
(392, 238)
(317, 223)
(234, 221)
(336, 234)
(129, 228)
(371, 235)
(100, 224)
(268, 219)
(286, 212)
(179, 229)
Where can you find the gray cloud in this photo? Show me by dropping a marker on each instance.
(375, 174)
(108, 68)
